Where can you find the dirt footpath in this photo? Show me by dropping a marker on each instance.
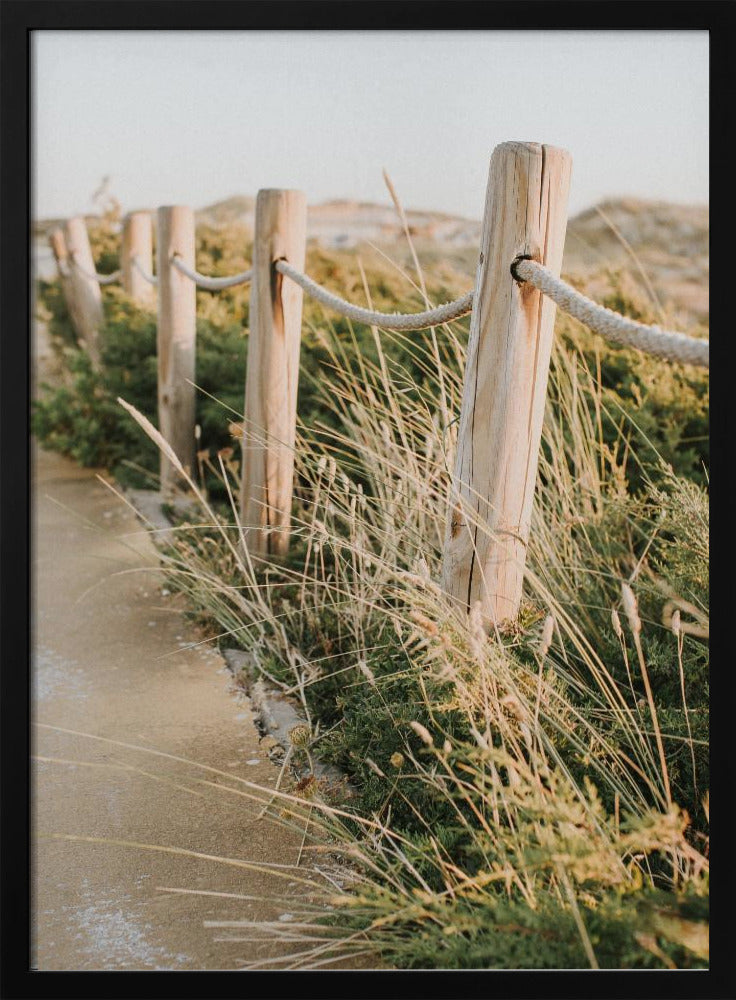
(111, 666)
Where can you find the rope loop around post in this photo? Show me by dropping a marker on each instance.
(609, 324)
(517, 260)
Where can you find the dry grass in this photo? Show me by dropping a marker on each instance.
(519, 789)
(554, 772)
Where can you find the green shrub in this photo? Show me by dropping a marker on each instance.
(663, 406)
(82, 417)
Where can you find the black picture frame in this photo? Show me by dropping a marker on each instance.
(18, 20)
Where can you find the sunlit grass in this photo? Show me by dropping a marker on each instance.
(533, 795)
(541, 754)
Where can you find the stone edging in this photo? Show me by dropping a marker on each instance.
(278, 715)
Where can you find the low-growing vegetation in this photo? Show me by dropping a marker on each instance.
(528, 796)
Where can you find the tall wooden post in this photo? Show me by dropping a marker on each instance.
(273, 373)
(85, 290)
(505, 383)
(176, 341)
(57, 242)
(137, 242)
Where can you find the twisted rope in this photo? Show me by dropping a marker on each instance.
(101, 279)
(616, 328)
(388, 321)
(211, 284)
(150, 278)
(611, 325)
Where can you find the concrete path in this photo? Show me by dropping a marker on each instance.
(110, 665)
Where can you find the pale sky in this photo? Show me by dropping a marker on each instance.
(192, 117)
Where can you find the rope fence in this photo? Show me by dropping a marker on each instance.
(388, 321)
(101, 279)
(612, 325)
(150, 278)
(209, 283)
(618, 329)
(201, 280)
(507, 363)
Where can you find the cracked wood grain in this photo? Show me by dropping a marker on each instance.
(272, 375)
(505, 381)
(175, 341)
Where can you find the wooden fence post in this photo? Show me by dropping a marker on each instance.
(176, 341)
(137, 242)
(58, 246)
(273, 373)
(85, 291)
(505, 383)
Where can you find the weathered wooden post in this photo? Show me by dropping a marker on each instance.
(505, 380)
(85, 290)
(57, 242)
(137, 242)
(273, 373)
(176, 341)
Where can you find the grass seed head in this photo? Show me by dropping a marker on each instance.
(514, 706)
(299, 736)
(631, 608)
(475, 622)
(374, 767)
(547, 635)
(425, 623)
(616, 622)
(367, 672)
(423, 733)
(675, 621)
